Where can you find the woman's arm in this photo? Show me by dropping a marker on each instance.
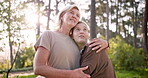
(41, 67)
(98, 44)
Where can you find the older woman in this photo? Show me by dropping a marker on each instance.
(57, 54)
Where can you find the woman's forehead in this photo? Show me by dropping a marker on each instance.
(81, 25)
(74, 9)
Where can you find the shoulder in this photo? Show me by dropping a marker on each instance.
(86, 49)
(48, 33)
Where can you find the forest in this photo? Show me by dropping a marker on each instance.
(123, 23)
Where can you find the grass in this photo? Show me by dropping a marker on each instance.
(29, 76)
(131, 74)
(17, 70)
(119, 74)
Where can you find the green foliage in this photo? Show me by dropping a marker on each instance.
(20, 70)
(4, 75)
(25, 58)
(131, 74)
(125, 56)
(4, 65)
(12, 21)
(29, 76)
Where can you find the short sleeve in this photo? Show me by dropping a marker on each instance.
(44, 41)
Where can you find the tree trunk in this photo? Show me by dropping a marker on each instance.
(9, 36)
(93, 19)
(38, 24)
(119, 16)
(145, 29)
(57, 3)
(117, 9)
(9, 33)
(48, 15)
(107, 31)
(135, 23)
(124, 29)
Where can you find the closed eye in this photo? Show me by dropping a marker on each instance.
(77, 29)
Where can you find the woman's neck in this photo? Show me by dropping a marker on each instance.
(64, 29)
(80, 45)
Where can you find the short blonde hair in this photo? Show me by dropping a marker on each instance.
(68, 8)
(71, 31)
(85, 24)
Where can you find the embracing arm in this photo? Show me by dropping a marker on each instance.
(98, 44)
(41, 67)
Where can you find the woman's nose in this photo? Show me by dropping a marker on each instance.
(81, 31)
(75, 16)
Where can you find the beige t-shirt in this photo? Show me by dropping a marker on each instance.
(64, 52)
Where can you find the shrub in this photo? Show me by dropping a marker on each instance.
(4, 64)
(125, 56)
(25, 58)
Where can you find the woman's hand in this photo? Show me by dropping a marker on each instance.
(78, 73)
(98, 44)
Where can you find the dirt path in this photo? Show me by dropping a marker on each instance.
(22, 73)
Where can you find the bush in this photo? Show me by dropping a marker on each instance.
(4, 65)
(4, 75)
(29, 76)
(25, 58)
(131, 74)
(125, 56)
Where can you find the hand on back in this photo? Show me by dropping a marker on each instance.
(78, 73)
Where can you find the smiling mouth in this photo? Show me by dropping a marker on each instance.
(81, 36)
(72, 20)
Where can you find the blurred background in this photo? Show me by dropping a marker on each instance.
(123, 23)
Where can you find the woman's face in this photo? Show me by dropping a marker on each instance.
(71, 17)
(81, 33)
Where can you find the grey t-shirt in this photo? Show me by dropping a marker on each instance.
(64, 53)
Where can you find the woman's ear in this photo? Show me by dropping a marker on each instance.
(71, 33)
(61, 15)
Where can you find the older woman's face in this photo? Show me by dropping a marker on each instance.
(71, 17)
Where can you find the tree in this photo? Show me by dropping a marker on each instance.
(1, 47)
(12, 22)
(126, 19)
(93, 20)
(145, 30)
(48, 14)
(117, 14)
(39, 3)
(9, 32)
(134, 21)
(56, 6)
(107, 12)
